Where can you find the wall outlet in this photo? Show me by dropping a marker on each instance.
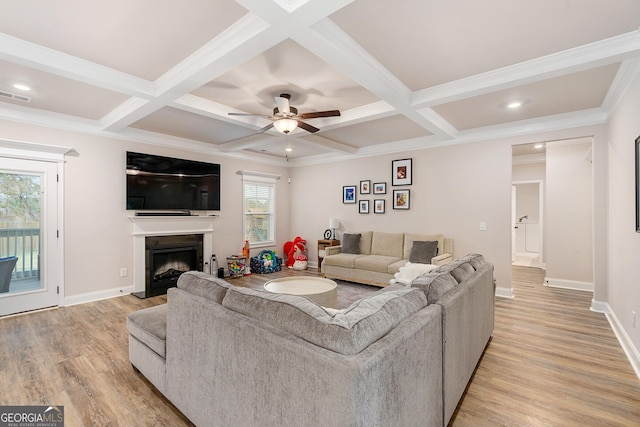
(483, 226)
(123, 272)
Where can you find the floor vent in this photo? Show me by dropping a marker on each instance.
(14, 96)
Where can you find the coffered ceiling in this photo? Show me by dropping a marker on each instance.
(405, 75)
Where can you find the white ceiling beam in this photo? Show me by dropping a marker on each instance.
(329, 42)
(61, 64)
(251, 141)
(569, 61)
(627, 74)
(246, 38)
(328, 144)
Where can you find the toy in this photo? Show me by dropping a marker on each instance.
(266, 262)
(300, 262)
(293, 249)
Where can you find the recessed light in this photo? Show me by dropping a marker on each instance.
(538, 146)
(21, 87)
(515, 104)
(288, 149)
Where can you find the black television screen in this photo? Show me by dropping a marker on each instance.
(164, 183)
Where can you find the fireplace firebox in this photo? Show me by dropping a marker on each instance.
(166, 258)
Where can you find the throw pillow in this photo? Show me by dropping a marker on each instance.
(423, 251)
(351, 244)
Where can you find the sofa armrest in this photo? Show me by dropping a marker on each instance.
(442, 259)
(332, 250)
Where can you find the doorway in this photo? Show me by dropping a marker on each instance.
(29, 205)
(527, 223)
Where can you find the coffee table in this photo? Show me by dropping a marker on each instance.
(322, 291)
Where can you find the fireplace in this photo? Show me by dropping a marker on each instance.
(148, 229)
(166, 258)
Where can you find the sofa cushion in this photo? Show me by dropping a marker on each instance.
(204, 285)
(434, 284)
(351, 243)
(476, 260)
(341, 260)
(462, 272)
(396, 266)
(149, 326)
(409, 238)
(379, 263)
(346, 331)
(423, 250)
(388, 244)
(365, 240)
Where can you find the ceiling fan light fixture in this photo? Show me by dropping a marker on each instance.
(285, 125)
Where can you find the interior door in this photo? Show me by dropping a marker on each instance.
(29, 231)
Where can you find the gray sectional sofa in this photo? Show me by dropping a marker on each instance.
(379, 256)
(225, 355)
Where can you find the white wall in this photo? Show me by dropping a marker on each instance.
(568, 215)
(97, 232)
(624, 243)
(454, 189)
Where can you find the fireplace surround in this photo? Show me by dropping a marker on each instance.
(169, 235)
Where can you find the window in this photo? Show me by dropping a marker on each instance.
(259, 198)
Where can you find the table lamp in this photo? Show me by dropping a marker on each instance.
(333, 225)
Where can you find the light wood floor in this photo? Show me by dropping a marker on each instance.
(551, 362)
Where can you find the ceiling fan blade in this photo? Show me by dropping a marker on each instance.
(316, 114)
(307, 127)
(283, 104)
(266, 128)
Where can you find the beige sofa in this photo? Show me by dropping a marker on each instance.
(400, 357)
(381, 256)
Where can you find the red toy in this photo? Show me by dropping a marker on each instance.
(293, 249)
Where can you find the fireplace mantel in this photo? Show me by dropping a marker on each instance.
(144, 226)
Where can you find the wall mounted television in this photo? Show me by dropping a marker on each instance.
(164, 183)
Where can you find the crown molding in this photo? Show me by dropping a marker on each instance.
(569, 61)
(61, 64)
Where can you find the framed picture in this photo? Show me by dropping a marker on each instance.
(378, 206)
(638, 184)
(379, 188)
(401, 172)
(364, 207)
(349, 194)
(401, 199)
(365, 187)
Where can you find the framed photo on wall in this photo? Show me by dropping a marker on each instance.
(378, 206)
(349, 194)
(379, 188)
(401, 199)
(365, 187)
(401, 172)
(364, 207)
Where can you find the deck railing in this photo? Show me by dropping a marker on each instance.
(25, 244)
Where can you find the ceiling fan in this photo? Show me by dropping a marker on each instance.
(286, 118)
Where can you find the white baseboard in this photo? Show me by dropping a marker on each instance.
(504, 292)
(623, 338)
(98, 295)
(568, 284)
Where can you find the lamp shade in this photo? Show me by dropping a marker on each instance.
(334, 223)
(285, 125)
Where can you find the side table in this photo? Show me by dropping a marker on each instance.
(322, 245)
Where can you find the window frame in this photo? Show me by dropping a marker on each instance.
(264, 180)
